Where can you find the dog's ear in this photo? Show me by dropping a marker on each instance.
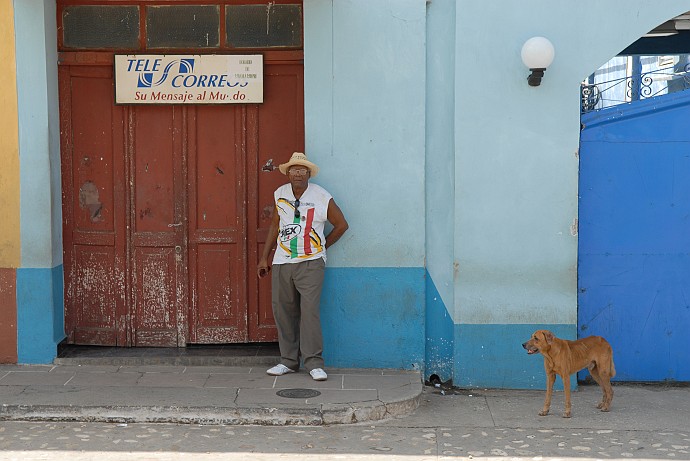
(548, 337)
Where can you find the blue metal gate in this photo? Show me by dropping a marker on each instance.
(634, 236)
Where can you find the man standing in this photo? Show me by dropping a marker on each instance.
(297, 228)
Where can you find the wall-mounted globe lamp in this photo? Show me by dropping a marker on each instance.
(537, 54)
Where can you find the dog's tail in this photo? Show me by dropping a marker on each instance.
(613, 367)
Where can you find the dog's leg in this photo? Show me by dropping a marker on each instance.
(602, 378)
(566, 388)
(608, 394)
(594, 371)
(550, 378)
(608, 391)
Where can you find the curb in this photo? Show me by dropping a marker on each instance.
(321, 415)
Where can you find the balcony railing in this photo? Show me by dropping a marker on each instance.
(626, 89)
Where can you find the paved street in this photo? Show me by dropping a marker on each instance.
(646, 422)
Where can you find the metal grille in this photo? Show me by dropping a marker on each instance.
(100, 27)
(183, 26)
(263, 26)
(634, 88)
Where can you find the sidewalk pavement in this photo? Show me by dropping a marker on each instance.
(96, 399)
(239, 391)
(202, 394)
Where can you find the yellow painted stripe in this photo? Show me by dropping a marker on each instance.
(10, 243)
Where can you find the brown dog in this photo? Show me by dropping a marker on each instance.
(564, 357)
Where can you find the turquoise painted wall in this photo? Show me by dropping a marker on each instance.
(365, 124)
(365, 127)
(440, 186)
(39, 133)
(516, 171)
(40, 309)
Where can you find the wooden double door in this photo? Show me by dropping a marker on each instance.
(166, 208)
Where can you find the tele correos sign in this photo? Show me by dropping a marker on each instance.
(189, 79)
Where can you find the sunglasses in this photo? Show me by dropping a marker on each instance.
(297, 215)
(298, 171)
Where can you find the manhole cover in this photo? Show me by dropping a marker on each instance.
(298, 393)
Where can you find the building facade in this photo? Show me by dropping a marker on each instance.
(134, 225)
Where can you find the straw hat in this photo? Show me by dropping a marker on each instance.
(298, 158)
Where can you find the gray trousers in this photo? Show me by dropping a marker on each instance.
(296, 301)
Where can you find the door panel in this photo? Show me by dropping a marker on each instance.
(157, 237)
(217, 211)
(155, 282)
(94, 298)
(92, 171)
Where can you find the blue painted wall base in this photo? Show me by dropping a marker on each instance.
(439, 335)
(492, 356)
(40, 314)
(373, 317)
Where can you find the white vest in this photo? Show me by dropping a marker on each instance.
(301, 238)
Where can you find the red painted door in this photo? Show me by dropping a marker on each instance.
(167, 207)
(157, 242)
(217, 224)
(94, 207)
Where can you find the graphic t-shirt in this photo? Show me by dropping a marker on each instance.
(300, 235)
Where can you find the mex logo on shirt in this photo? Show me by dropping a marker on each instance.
(289, 232)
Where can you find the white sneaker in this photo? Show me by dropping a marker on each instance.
(318, 374)
(279, 370)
